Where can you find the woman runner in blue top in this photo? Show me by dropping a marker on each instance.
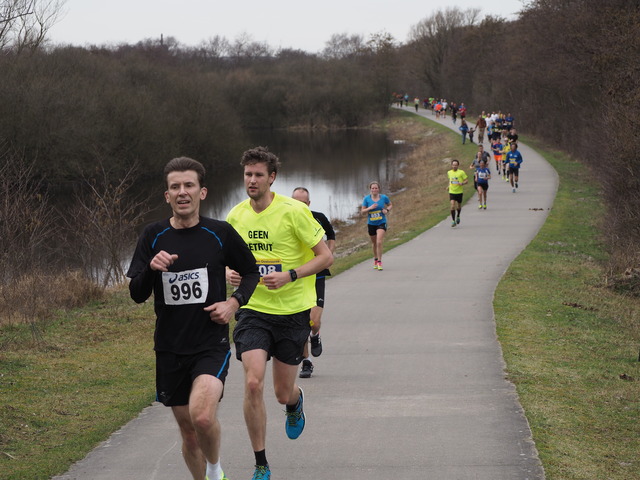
(483, 174)
(377, 206)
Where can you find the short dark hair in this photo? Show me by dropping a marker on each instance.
(182, 164)
(261, 155)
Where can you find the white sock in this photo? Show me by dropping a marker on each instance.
(214, 471)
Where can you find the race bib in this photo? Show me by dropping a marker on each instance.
(377, 215)
(185, 288)
(265, 267)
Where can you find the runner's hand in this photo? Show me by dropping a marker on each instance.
(233, 277)
(275, 280)
(162, 261)
(222, 312)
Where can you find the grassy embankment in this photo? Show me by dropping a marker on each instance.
(566, 339)
(570, 343)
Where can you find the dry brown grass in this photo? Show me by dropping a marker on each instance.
(35, 298)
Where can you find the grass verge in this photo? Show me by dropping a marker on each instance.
(570, 343)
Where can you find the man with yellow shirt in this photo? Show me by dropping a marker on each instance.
(289, 249)
(457, 178)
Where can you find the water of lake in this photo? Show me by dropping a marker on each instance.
(336, 167)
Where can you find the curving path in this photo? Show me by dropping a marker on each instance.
(411, 382)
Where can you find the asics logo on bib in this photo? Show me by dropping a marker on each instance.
(185, 276)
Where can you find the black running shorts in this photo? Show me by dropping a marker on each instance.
(373, 229)
(281, 336)
(176, 373)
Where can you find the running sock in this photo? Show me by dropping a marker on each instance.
(261, 458)
(214, 471)
(294, 407)
(453, 214)
(459, 210)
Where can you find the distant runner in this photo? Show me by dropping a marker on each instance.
(457, 178)
(482, 177)
(377, 207)
(514, 160)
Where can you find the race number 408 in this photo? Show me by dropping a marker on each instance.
(185, 288)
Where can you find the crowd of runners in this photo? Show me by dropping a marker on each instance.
(497, 128)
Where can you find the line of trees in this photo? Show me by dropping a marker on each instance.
(567, 70)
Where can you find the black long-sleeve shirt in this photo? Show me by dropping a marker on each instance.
(194, 281)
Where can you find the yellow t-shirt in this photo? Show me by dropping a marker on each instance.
(281, 238)
(455, 180)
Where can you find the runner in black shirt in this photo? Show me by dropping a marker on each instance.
(182, 261)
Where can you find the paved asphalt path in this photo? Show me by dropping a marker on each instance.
(411, 383)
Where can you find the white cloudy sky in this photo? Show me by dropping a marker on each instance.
(299, 24)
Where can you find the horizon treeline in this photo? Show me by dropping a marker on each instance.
(566, 69)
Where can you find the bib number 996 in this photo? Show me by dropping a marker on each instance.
(185, 288)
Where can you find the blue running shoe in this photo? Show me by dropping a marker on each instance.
(262, 473)
(294, 424)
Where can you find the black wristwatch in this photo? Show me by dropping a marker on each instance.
(294, 275)
(238, 296)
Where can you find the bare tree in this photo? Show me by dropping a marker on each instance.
(431, 38)
(343, 45)
(26, 218)
(24, 24)
(215, 47)
(103, 223)
(245, 48)
(383, 56)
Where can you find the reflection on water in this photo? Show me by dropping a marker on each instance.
(336, 167)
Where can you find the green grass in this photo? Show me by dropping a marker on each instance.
(59, 398)
(567, 340)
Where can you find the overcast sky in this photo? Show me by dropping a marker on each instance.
(298, 24)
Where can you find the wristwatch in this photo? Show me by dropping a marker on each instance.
(238, 296)
(294, 275)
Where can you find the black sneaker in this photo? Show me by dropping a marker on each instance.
(307, 369)
(316, 343)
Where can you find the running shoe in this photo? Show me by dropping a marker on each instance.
(453, 224)
(375, 264)
(484, 206)
(261, 473)
(223, 477)
(307, 369)
(479, 206)
(295, 421)
(458, 220)
(316, 343)
(514, 190)
(379, 265)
